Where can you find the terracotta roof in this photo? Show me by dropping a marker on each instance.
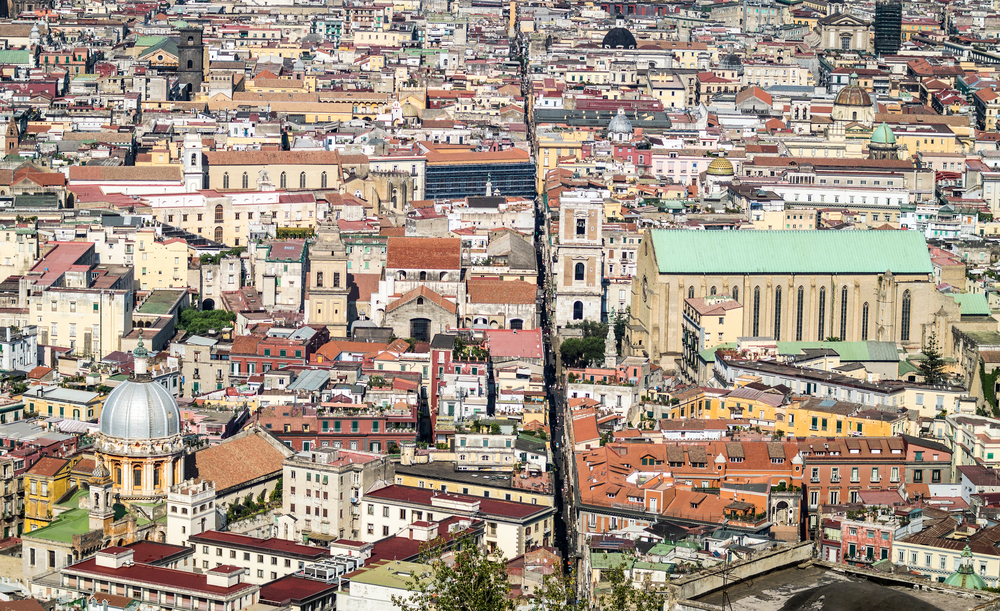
(488, 290)
(425, 293)
(424, 253)
(48, 466)
(125, 173)
(237, 460)
(273, 158)
(246, 344)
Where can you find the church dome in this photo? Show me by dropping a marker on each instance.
(883, 135)
(619, 37)
(620, 124)
(409, 110)
(853, 95)
(731, 62)
(965, 576)
(721, 166)
(140, 410)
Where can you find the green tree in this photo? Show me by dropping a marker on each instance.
(276, 493)
(196, 321)
(624, 596)
(932, 367)
(476, 582)
(557, 593)
(576, 352)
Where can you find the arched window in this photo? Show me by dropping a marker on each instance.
(190, 64)
(322, 180)
(690, 292)
(711, 291)
(156, 477)
(736, 293)
(420, 301)
(578, 271)
(756, 311)
(904, 324)
(578, 310)
(194, 158)
(319, 279)
(190, 38)
(864, 322)
(854, 115)
(302, 180)
(283, 181)
(799, 313)
(218, 213)
(218, 234)
(777, 314)
(225, 180)
(137, 476)
(118, 475)
(822, 313)
(423, 275)
(246, 180)
(843, 314)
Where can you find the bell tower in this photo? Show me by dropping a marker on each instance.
(191, 59)
(102, 511)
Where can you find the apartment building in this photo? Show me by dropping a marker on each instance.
(263, 560)
(322, 490)
(511, 528)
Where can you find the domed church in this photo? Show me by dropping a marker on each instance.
(139, 444)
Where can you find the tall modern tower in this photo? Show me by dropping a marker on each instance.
(191, 58)
(888, 27)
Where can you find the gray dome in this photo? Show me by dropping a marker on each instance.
(620, 124)
(140, 410)
(731, 62)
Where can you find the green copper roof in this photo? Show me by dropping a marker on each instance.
(972, 304)
(790, 252)
(883, 135)
(965, 576)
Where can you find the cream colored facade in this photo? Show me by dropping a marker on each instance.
(791, 306)
(160, 265)
(553, 144)
(18, 251)
(90, 321)
(326, 289)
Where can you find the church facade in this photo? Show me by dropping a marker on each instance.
(793, 286)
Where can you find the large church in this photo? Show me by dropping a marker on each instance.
(793, 286)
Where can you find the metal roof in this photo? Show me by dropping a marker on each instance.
(790, 252)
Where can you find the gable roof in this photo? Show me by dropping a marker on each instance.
(422, 292)
(240, 459)
(800, 252)
(489, 290)
(424, 253)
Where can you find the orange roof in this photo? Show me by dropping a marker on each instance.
(490, 290)
(424, 253)
(422, 293)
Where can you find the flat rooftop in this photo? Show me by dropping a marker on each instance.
(772, 591)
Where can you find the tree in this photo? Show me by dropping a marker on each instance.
(932, 367)
(557, 593)
(475, 582)
(195, 321)
(576, 352)
(624, 596)
(276, 493)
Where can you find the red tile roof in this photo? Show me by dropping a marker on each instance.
(425, 293)
(237, 460)
(292, 589)
(278, 546)
(487, 507)
(514, 343)
(424, 253)
(163, 578)
(490, 290)
(48, 466)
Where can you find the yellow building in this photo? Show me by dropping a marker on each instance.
(555, 143)
(45, 483)
(443, 476)
(160, 264)
(708, 322)
(771, 410)
(58, 402)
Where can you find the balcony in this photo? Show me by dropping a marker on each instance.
(834, 479)
(814, 479)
